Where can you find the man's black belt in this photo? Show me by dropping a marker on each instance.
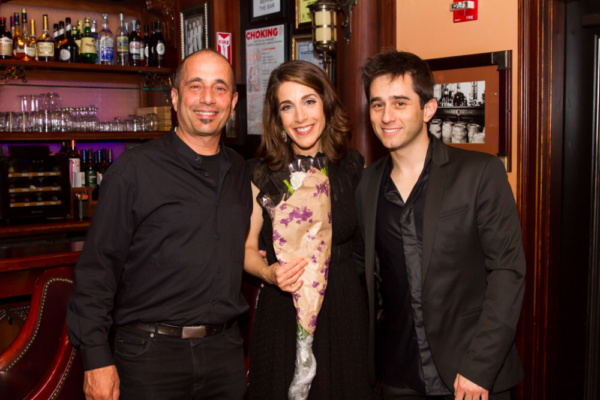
(184, 332)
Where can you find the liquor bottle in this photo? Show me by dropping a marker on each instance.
(135, 44)
(152, 47)
(59, 40)
(159, 47)
(91, 173)
(94, 30)
(122, 43)
(45, 43)
(61, 32)
(87, 52)
(79, 35)
(6, 40)
(12, 26)
(18, 42)
(106, 43)
(142, 44)
(64, 150)
(55, 32)
(69, 51)
(31, 49)
(146, 46)
(100, 165)
(74, 161)
(68, 29)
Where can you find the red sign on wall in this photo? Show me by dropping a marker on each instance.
(224, 45)
(464, 10)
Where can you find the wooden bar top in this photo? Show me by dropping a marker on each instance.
(23, 230)
(20, 266)
(39, 256)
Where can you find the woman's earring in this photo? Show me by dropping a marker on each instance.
(284, 135)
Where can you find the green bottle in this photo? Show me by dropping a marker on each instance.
(87, 52)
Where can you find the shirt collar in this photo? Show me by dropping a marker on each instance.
(186, 151)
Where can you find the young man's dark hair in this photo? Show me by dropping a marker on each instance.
(399, 63)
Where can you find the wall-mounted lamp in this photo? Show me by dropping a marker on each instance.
(324, 27)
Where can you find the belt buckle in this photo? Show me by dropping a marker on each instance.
(197, 332)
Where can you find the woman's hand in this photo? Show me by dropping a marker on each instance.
(287, 276)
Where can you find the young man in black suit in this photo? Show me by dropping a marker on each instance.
(441, 251)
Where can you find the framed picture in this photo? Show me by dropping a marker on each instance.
(264, 10)
(474, 102)
(303, 49)
(194, 29)
(303, 18)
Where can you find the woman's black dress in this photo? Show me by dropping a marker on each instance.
(340, 343)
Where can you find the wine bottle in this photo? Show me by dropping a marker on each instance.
(6, 40)
(135, 42)
(69, 51)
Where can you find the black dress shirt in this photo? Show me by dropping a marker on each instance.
(166, 244)
(407, 360)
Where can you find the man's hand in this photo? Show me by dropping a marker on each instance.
(101, 383)
(464, 389)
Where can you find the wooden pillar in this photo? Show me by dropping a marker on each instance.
(373, 27)
(541, 62)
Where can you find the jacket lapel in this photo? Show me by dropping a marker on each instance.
(435, 192)
(370, 212)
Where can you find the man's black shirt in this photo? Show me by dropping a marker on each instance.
(166, 244)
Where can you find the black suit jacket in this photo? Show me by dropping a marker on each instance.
(473, 266)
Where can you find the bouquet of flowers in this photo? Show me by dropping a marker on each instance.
(302, 228)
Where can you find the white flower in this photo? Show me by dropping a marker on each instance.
(296, 179)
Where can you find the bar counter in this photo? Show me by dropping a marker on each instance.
(21, 266)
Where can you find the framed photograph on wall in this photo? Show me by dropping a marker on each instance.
(303, 18)
(303, 49)
(263, 10)
(194, 29)
(474, 102)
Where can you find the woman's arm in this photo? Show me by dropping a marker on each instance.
(287, 276)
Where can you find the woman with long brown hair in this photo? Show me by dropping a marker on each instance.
(304, 118)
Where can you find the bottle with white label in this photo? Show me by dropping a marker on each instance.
(106, 43)
(122, 40)
(6, 40)
(159, 47)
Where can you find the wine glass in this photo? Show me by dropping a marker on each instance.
(52, 101)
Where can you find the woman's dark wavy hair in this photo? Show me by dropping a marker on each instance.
(277, 153)
(399, 63)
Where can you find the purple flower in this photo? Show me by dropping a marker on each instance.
(276, 235)
(325, 272)
(282, 241)
(313, 321)
(329, 215)
(296, 297)
(315, 284)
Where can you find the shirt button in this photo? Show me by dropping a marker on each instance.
(198, 158)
